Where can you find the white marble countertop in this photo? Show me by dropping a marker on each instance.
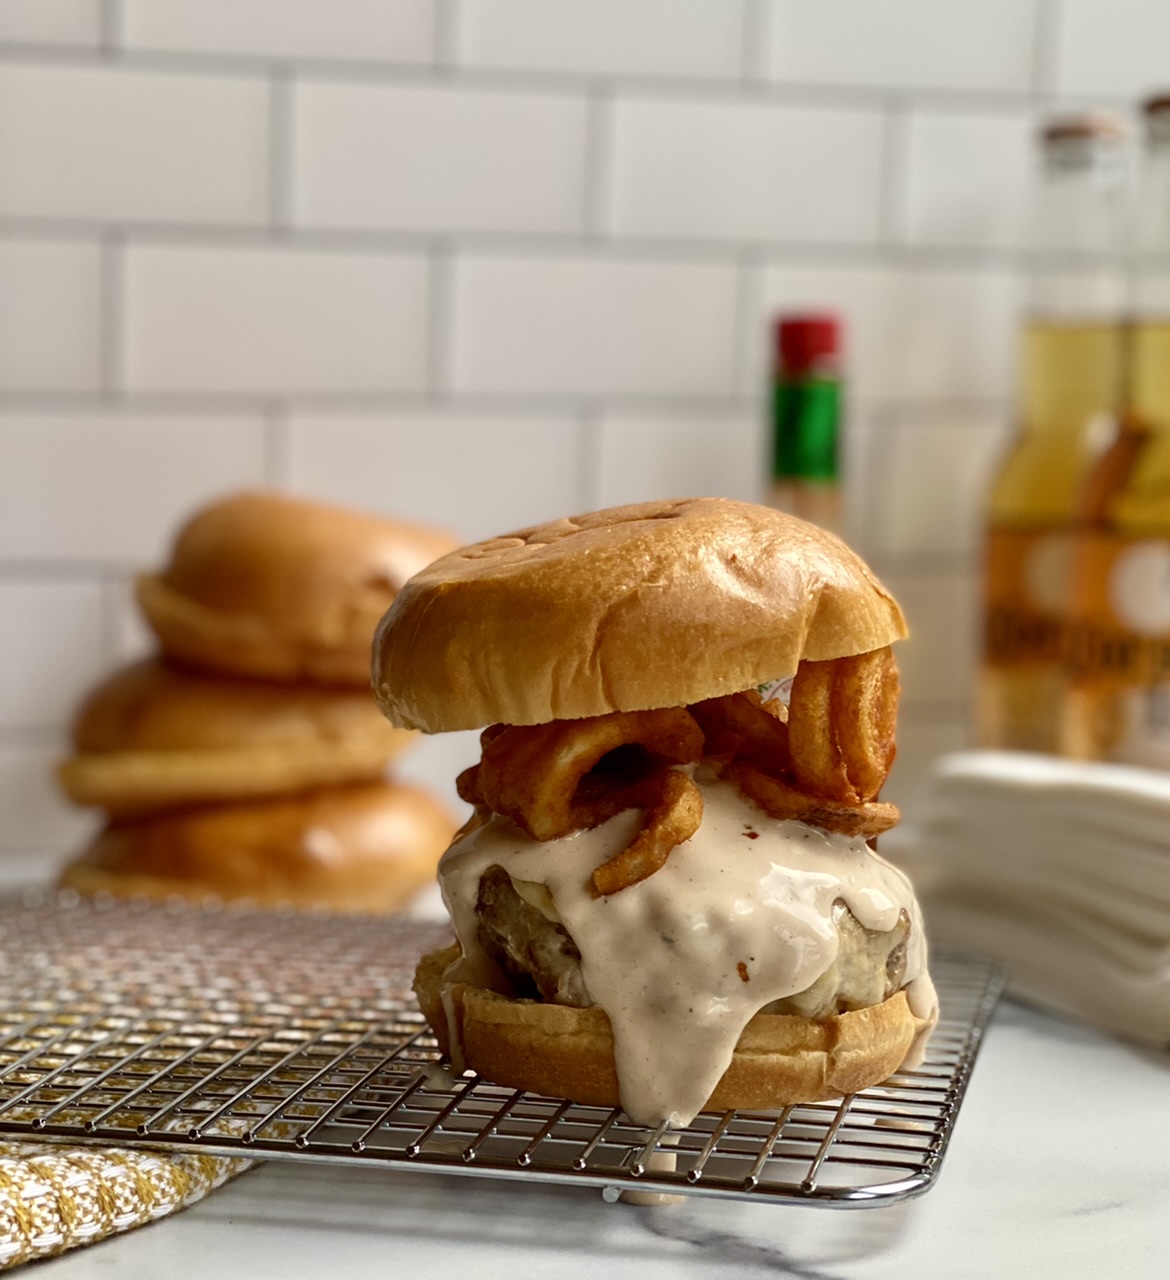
(1059, 1167)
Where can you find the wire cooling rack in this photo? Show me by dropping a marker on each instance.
(297, 1037)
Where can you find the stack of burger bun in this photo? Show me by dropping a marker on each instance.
(248, 759)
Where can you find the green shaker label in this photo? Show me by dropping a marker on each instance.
(805, 417)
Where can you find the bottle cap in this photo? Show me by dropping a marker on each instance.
(1085, 127)
(1083, 141)
(807, 341)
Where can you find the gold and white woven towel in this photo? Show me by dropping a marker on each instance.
(54, 1198)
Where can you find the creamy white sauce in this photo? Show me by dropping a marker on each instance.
(663, 957)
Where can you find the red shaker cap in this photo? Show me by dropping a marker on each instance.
(807, 340)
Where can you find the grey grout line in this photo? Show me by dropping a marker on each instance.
(441, 323)
(1046, 47)
(589, 417)
(597, 178)
(276, 445)
(281, 150)
(749, 329)
(519, 79)
(112, 312)
(756, 43)
(532, 246)
(31, 738)
(200, 404)
(895, 176)
(882, 429)
(112, 584)
(448, 23)
(588, 458)
(110, 27)
(64, 570)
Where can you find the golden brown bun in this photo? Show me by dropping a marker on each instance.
(563, 1052)
(154, 736)
(367, 848)
(266, 585)
(657, 605)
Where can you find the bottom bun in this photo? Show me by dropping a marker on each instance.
(367, 848)
(564, 1052)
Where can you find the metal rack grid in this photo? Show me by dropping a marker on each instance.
(297, 1037)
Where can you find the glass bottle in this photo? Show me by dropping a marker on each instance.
(1071, 350)
(1118, 699)
(806, 418)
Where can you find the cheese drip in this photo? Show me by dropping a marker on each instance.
(666, 958)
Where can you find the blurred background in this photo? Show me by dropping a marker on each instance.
(486, 263)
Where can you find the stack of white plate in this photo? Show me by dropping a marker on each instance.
(1059, 869)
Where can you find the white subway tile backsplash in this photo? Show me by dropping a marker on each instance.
(501, 267)
(112, 142)
(918, 333)
(951, 334)
(860, 444)
(968, 179)
(935, 475)
(51, 635)
(435, 761)
(904, 44)
(593, 325)
(55, 22)
(129, 636)
(745, 171)
(50, 316)
(433, 467)
(933, 480)
(274, 320)
(389, 30)
(438, 158)
(112, 486)
(604, 37)
(937, 662)
(646, 458)
(1113, 47)
(36, 818)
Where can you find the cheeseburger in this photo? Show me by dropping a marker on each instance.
(666, 898)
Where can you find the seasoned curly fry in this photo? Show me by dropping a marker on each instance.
(533, 774)
(841, 725)
(779, 800)
(743, 724)
(821, 762)
(467, 785)
(674, 817)
(467, 782)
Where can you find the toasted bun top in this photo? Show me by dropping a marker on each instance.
(265, 584)
(655, 605)
(155, 706)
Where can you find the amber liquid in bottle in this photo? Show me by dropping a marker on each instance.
(1117, 705)
(1070, 379)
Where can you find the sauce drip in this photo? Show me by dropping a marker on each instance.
(663, 957)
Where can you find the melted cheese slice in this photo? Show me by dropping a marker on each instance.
(666, 958)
